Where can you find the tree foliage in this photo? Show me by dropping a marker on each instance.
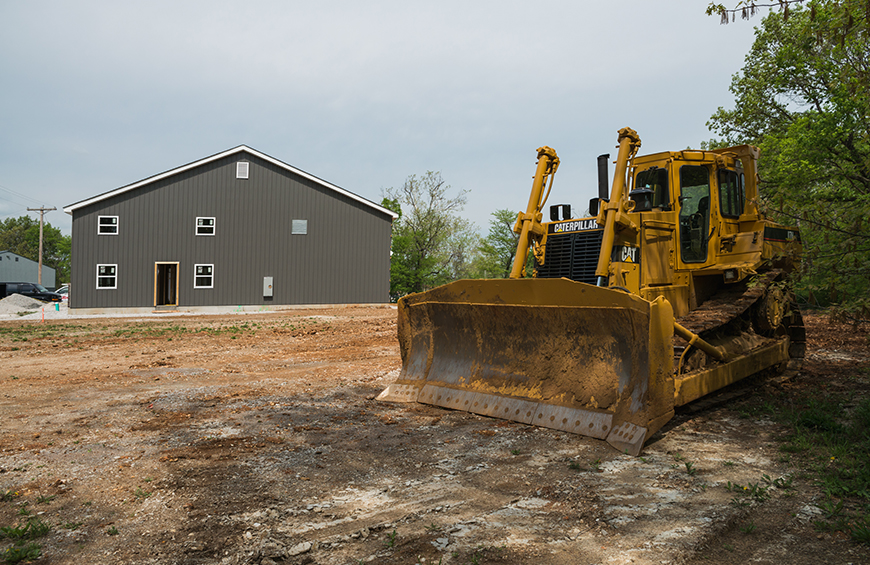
(21, 235)
(747, 9)
(498, 248)
(803, 96)
(431, 244)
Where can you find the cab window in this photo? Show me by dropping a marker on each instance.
(730, 193)
(655, 179)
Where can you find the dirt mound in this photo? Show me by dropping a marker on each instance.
(15, 303)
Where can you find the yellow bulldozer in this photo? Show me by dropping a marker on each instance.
(675, 286)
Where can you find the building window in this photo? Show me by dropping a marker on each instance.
(203, 276)
(205, 226)
(107, 225)
(242, 169)
(299, 227)
(107, 276)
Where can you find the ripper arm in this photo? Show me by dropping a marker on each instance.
(528, 224)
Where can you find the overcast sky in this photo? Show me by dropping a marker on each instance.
(98, 95)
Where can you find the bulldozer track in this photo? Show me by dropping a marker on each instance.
(731, 303)
(727, 305)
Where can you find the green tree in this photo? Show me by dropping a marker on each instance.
(803, 96)
(498, 248)
(747, 9)
(431, 243)
(463, 248)
(21, 235)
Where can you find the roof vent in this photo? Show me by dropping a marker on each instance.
(242, 169)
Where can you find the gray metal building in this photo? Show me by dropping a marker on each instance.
(239, 228)
(15, 268)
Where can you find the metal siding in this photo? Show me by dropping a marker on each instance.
(344, 258)
(24, 270)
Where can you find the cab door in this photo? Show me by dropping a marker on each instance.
(694, 213)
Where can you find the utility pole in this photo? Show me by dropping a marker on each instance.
(42, 212)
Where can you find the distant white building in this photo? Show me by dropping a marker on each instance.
(15, 268)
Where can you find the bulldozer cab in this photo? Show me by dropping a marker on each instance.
(705, 189)
(690, 216)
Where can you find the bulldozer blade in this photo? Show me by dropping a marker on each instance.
(549, 352)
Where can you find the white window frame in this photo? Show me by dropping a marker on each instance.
(212, 226)
(100, 225)
(243, 169)
(298, 227)
(196, 275)
(114, 276)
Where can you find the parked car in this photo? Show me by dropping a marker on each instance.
(31, 290)
(63, 292)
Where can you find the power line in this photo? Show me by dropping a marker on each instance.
(10, 191)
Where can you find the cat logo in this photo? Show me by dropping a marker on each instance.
(625, 254)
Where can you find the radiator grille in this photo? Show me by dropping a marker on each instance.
(572, 256)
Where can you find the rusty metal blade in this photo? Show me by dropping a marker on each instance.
(552, 352)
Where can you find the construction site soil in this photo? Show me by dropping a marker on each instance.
(257, 439)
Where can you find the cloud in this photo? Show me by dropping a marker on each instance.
(101, 94)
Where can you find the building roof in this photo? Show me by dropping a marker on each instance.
(240, 149)
(7, 252)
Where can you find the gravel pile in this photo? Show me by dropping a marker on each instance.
(15, 303)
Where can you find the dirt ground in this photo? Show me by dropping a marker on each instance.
(256, 439)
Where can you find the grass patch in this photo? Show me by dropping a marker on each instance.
(833, 439)
(21, 536)
(391, 539)
(18, 553)
(748, 494)
(33, 528)
(827, 441)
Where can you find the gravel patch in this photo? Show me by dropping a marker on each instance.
(15, 304)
